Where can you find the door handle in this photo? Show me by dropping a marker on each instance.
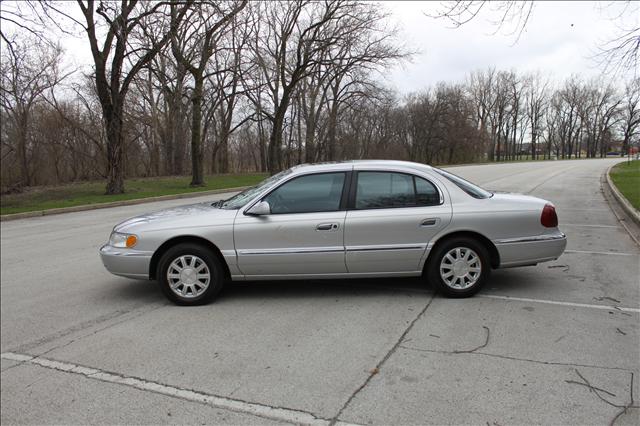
(429, 222)
(327, 227)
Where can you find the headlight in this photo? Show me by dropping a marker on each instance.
(120, 240)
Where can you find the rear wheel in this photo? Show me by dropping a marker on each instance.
(459, 267)
(189, 274)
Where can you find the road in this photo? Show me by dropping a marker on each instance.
(555, 343)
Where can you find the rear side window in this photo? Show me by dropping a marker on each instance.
(306, 194)
(474, 190)
(383, 190)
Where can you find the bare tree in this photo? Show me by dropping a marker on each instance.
(117, 60)
(27, 72)
(536, 103)
(289, 45)
(200, 33)
(630, 115)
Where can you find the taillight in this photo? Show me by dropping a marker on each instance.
(549, 218)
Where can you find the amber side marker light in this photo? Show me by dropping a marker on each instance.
(548, 219)
(131, 241)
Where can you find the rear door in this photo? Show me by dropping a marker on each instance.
(391, 219)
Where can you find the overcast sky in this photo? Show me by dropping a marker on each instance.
(560, 39)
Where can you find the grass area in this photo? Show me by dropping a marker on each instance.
(77, 194)
(626, 177)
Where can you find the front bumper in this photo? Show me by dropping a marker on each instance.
(530, 250)
(126, 262)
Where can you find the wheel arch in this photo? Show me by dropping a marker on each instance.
(494, 255)
(157, 255)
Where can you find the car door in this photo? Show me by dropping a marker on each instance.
(303, 234)
(391, 219)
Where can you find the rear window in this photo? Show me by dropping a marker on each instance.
(474, 190)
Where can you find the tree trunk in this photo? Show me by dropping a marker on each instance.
(115, 148)
(25, 179)
(274, 156)
(197, 172)
(331, 131)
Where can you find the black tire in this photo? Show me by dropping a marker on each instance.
(441, 250)
(190, 251)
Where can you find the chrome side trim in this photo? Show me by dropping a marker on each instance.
(339, 275)
(228, 253)
(537, 238)
(387, 247)
(297, 250)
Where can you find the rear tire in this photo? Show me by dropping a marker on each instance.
(189, 274)
(459, 267)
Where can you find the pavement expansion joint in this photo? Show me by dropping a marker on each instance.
(288, 415)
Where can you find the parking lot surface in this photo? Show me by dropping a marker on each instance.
(556, 343)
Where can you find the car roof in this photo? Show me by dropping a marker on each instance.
(358, 164)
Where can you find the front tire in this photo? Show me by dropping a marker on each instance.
(459, 267)
(189, 274)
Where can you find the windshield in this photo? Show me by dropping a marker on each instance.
(474, 190)
(239, 200)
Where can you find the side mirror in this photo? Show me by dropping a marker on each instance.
(260, 209)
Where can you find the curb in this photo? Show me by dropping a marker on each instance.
(85, 207)
(622, 201)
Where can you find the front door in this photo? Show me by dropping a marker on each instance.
(303, 235)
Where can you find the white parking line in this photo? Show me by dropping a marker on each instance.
(554, 302)
(583, 210)
(586, 225)
(607, 253)
(276, 413)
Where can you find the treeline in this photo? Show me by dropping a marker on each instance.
(219, 87)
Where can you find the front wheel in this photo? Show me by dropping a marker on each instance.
(459, 267)
(189, 274)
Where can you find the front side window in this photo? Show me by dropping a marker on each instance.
(241, 199)
(306, 194)
(383, 190)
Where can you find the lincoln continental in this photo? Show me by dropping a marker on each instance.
(353, 219)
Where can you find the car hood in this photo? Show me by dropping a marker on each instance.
(187, 215)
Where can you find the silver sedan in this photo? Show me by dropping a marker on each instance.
(339, 220)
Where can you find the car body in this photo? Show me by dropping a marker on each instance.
(353, 219)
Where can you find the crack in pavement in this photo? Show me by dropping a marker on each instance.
(512, 358)
(484, 345)
(597, 390)
(378, 367)
(266, 411)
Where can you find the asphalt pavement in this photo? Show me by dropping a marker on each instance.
(556, 343)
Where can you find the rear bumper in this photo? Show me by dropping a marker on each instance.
(530, 250)
(126, 262)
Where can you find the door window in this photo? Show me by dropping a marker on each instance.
(383, 190)
(306, 194)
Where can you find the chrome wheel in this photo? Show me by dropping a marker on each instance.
(460, 268)
(188, 276)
